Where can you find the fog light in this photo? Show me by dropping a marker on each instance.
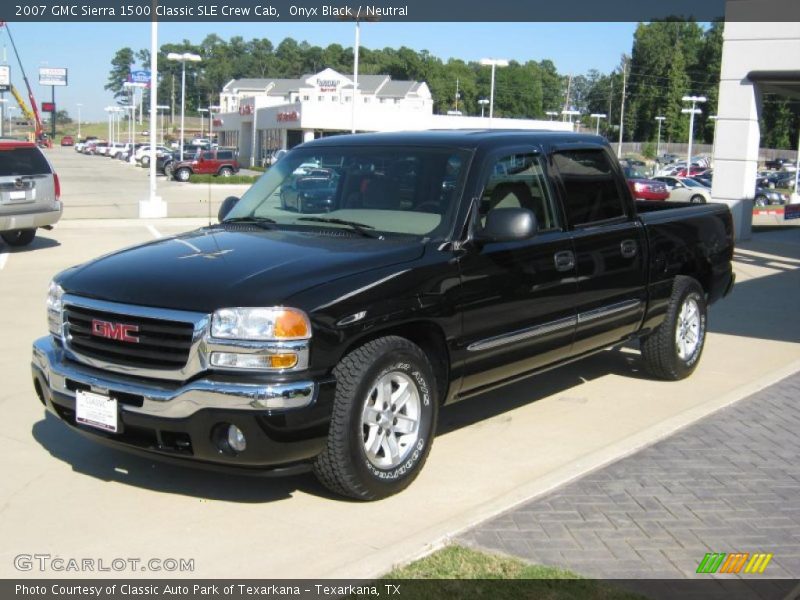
(236, 439)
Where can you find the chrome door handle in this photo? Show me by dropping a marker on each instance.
(564, 261)
(628, 248)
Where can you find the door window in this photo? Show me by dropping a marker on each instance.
(592, 191)
(518, 181)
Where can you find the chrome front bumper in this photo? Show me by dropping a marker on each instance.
(166, 399)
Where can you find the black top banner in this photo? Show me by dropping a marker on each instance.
(398, 10)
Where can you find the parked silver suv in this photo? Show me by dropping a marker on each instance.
(29, 192)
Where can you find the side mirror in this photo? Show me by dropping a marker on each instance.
(508, 225)
(227, 206)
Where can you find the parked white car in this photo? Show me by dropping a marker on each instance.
(145, 150)
(115, 148)
(683, 189)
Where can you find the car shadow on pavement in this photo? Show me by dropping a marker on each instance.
(39, 243)
(763, 307)
(564, 380)
(110, 465)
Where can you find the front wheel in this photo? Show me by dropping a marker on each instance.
(383, 421)
(761, 201)
(697, 199)
(673, 349)
(19, 237)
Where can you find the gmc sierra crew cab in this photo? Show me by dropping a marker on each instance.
(440, 265)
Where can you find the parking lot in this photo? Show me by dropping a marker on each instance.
(103, 188)
(491, 453)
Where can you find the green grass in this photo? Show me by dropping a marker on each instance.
(242, 179)
(458, 572)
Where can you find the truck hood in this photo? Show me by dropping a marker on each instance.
(214, 268)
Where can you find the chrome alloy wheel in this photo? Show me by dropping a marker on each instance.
(687, 333)
(390, 420)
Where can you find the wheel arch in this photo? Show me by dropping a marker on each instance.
(426, 334)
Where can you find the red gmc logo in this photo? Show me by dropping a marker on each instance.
(115, 331)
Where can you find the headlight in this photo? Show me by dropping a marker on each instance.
(55, 319)
(260, 324)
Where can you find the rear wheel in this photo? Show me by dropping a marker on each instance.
(168, 169)
(761, 201)
(225, 172)
(145, 161)
(18, 237)
(697, 199)
(383, 422)
(183, 174)
(673, 350)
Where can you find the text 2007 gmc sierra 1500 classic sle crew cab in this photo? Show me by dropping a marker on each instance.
(422, 268)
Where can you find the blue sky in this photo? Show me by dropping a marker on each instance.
(86, 49)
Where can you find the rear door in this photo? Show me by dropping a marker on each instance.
(609, 243)
(26, 180)
(517, 298)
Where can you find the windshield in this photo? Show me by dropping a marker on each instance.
(397, 190)
(631, 173)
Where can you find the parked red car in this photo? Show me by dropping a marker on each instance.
(219, 161)
(643, 188)
(693, 172)
(67, 140)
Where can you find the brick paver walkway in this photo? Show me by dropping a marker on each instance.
(728, 483)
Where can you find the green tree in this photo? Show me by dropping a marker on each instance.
(120, 71)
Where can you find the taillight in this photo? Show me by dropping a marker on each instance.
(57, 186)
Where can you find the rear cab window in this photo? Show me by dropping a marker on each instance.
(592, 189)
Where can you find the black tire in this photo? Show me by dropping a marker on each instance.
(168, 170)
(225, 172)
(344, 466)
(661, 350)
(182, 174)
(19, 237)
(761, 201)
(697, 199)
(145, 162)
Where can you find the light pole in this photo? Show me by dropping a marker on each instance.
(691, 112)
(211, 110)
(658, 138)
(494, 63)
(551, 114)
(202, 111)
(79, 119)
(597, 117)
(161, 108)
(483, 102)
(183, 59)
(3, 102)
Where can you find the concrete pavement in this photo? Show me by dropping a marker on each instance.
(67, 496)
(97, 187)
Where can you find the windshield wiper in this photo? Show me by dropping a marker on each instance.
(262, 222)
(361, 228)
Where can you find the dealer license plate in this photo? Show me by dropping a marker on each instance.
(96, 410)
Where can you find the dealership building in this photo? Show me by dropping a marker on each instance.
(260, 116)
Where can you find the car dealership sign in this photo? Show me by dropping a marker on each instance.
(52, 76)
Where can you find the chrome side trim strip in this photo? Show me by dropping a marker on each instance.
(553, 326)
(606, 311)
(523, 334)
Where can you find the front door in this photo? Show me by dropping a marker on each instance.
(517, 298)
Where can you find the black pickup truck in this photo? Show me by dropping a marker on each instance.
(442, 265)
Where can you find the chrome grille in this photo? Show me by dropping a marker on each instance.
(162, 344)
